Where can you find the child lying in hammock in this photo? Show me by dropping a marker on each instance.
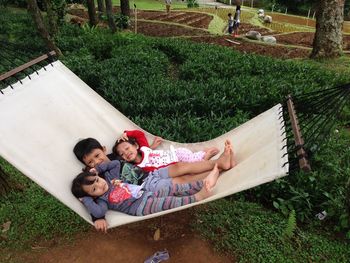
(100, 189)
(133, 147)
(90, 152)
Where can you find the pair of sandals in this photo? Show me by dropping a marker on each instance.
(158, 257)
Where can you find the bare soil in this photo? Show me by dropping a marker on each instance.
(305, 39)
(132, 243)
(255, 47)
(198, 20)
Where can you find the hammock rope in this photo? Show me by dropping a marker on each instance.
(14, 65)
(317, 113)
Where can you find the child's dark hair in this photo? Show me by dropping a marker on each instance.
(78, 182)
(119, 141)
(229, 14)
(85, 147)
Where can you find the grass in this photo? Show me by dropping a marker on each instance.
(341, 64)
(257, 235)
(33, 214)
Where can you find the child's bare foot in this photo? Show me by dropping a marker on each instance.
(203, 193)
(232, 155)
(210, 181)
(210, 153)
(224, 161)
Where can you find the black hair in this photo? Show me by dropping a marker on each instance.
(78, 182)
(132, 141)
(229, 14)
(86, 146)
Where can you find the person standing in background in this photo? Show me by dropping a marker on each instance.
(236, 21)
(167, 5)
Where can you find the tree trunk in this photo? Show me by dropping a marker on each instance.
(109, 12)
(92, 12)
(125, 7)
(33, 9)
(101, 8)
(51, 17)
(328, 40)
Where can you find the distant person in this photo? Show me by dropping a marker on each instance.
(230, 23)
(236, 21)
(168, 5)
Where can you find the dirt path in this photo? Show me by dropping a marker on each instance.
(130, 243)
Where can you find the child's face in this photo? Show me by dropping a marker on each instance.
(128, 151)
(98, 188)
(95, 157)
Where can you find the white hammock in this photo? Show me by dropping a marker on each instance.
(43, 118)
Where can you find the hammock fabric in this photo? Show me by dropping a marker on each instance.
(44, 117)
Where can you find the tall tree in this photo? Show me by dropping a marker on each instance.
(328, 40)
(125, 7)
(110, 17)
(34, 10)
(101, 8)
(51, 17)
(92, 12)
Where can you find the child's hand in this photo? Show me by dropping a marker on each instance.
(123, 137)
(93, 170)
(101, 225)
(116, 182)
(156, 142)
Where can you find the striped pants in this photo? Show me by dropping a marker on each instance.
(168, 198)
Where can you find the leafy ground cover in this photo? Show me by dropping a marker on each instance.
(256, 235)
(211, 89)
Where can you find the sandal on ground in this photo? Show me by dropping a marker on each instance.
(158, 257)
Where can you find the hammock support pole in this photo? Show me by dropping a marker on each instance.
(299, 141)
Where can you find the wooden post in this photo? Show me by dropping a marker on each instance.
(252, 4)
(308, 15)
(299, 141)
(273, 6)
(286, 11)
